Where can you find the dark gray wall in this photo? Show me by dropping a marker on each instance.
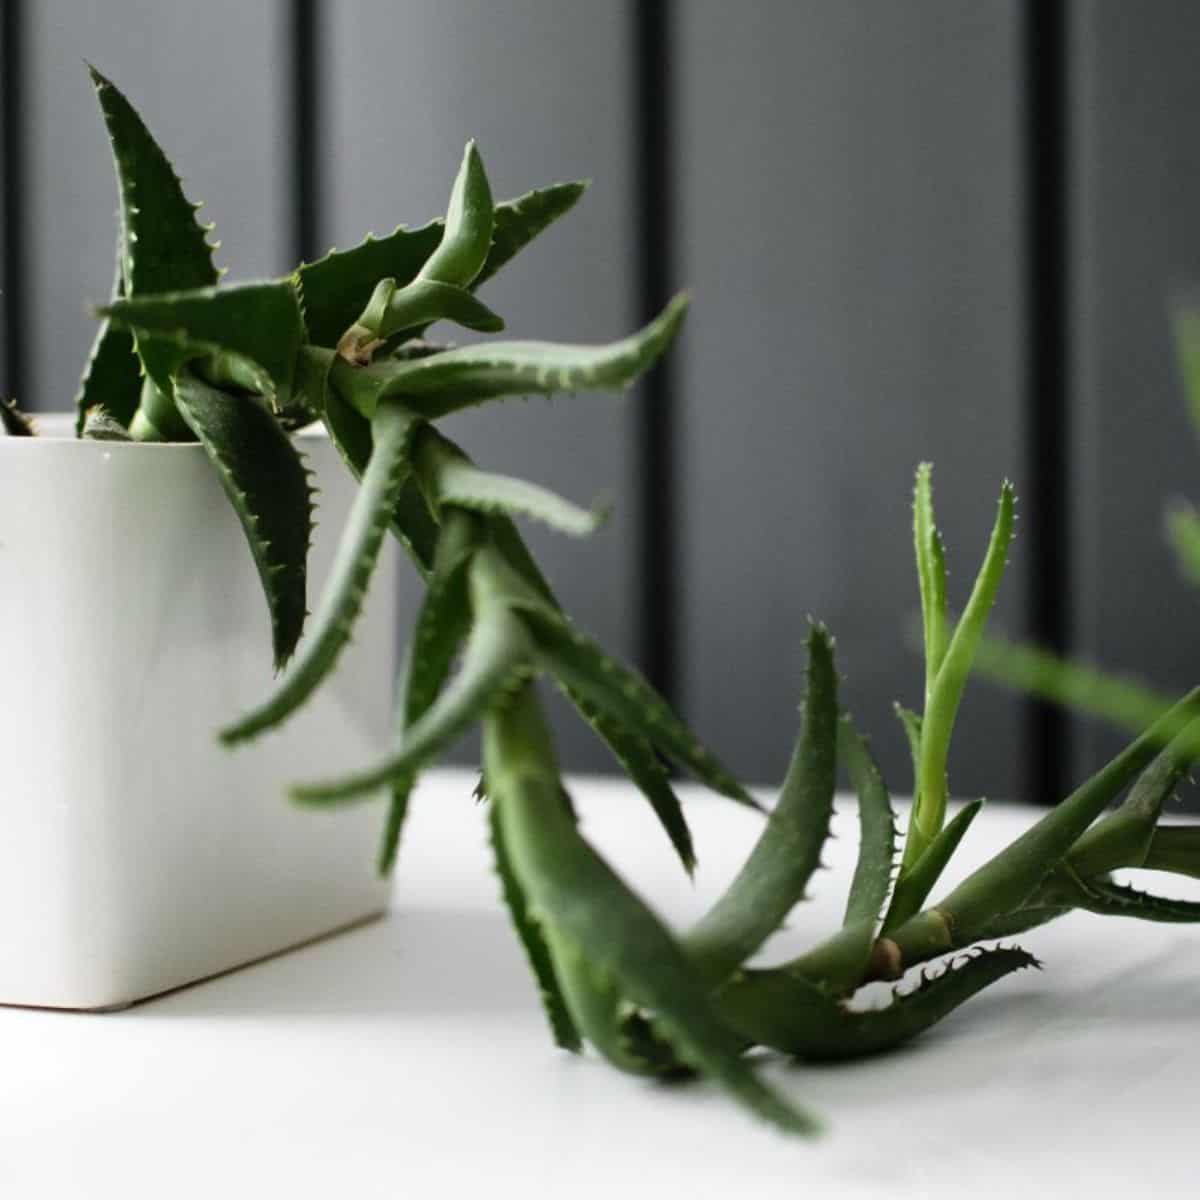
(210, 81)
(849, 215)
(849, 177)
(1137, 218)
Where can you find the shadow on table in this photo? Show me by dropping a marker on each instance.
(417, 962)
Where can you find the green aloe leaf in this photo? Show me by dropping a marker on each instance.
(647, 773)
(945, 692)
(259, 322)
(1123, 837)
(411, 522)
(1022, 920)
(877, 829)
(623, 696)
(442, 623)
(163, 247)
(931, 575)
(839, 963)
(774, 877)
(268, 485)
(13, 421)
(467, 235)
(394, 312)
(562, 1026)
(518, 221)
(796, 1017)
(1185, 323)
(911, 723)
(455, 480)
(1125, 703)
(445, 383)
(635, 754)
(497, 651)
(336, 288)
(345, 592)
(112, 376)
(1116, 900)
(580, 903)
(622, 1034)
(1174, 848)
(913, 886)
(1008, 880)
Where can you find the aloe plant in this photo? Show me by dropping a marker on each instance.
(182, 356)
(237, 368)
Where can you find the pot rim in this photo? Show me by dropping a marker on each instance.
(58, 429)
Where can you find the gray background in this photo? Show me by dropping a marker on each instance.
(849, 215)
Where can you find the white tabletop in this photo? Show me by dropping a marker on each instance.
(409, 1058)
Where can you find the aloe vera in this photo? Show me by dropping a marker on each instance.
(341, 341)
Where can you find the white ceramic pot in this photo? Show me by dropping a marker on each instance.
(136, 854)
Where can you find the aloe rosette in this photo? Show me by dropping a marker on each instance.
(179, 356)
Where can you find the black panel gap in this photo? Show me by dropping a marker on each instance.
(1047, 153)
(303, 114)
(656, 468)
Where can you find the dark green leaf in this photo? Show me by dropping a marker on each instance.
(587, 911)
(795, 1016)
(497, 651)
(913, 886)
(877, 829)
(113, 375)
(442, 623)
(349, 577)
(336, 288)
(536, 950)
(267, 484)
(444, 383)
(411, 521)
(1007, 881)
(163, 247)
(622, 695)
(774, 877)
(519, 221)
(259, 322)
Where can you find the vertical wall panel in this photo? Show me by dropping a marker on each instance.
(209, 81)
(545, 89)
(1137, 168)
(850, 185)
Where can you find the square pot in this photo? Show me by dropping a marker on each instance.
(137, 855)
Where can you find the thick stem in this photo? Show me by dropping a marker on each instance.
(157, 419)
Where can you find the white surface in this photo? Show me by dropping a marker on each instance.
(409, 1058)
(136, 854)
